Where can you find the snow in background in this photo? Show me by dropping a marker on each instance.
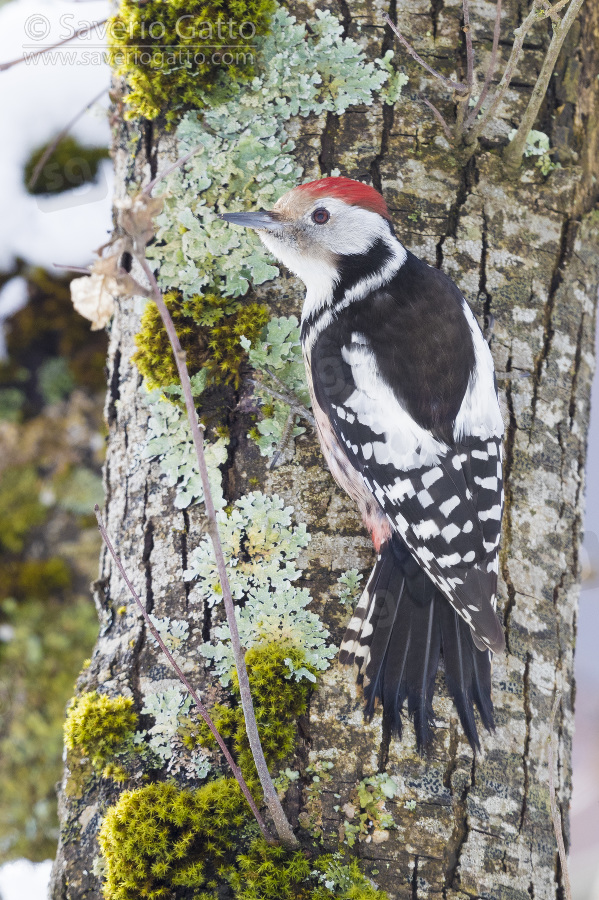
(24, 880)
(36, 102)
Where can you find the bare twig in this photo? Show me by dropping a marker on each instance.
(84, 270)
(519, 36)
(469, 50)
(447, 82)
(438, 116)
(171, 168)
(552, 752)
(515, 149)
(490, 70)
(540, 9)
(52, 146)
(200, 706)
(79, 33)
(290, 400)
(271, 798)
(284, 439)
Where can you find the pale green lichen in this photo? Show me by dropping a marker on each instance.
(537, 144)
(345, 882)
(166, 707)
(277, 357)
(261, 547)
(366, 816)
(169, 440)
(349, 586)
(174, 632)
(246, 161)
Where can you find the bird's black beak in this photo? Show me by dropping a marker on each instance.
(261, 218)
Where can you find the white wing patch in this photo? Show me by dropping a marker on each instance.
(479, 415)
(404, 444)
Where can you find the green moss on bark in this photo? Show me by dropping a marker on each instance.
(210, 328)
(176, 55)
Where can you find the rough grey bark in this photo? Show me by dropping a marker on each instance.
(523, 248)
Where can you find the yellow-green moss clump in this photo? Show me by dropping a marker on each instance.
(278, 702)
(176, 55)
(271, 873)
(162, 841)
(209, 328)
(160, 838)
(97, 726)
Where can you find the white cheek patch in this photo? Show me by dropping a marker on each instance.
(318, 275)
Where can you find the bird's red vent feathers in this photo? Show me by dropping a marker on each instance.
(352, 192)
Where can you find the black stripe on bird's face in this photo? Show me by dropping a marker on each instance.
(352, 269)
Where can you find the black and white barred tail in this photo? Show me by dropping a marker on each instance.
(398, 631)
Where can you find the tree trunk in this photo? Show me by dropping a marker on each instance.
(523, 249)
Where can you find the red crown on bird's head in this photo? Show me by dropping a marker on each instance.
(354, 193)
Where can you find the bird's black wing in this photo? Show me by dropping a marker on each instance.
(442, 497)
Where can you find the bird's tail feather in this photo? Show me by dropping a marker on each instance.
(397, 633)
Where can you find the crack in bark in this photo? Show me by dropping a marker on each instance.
(114, 388)
(436, 7)
(483, 293)
(126, 492)
(327, 144)
(415, 879)
(460, 833)
(345, 16)
(577, 523)
(388, 111)
(385, 744)
(331, 129)
(206, 622)
(151, 150)
(509, 445)
(375, 166)
(526, 750)
(577, 357)
(145, 558)
(467, 181)
(567, 238)
(184, 554)
(453, 761)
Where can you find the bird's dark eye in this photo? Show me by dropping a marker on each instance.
(321, 216)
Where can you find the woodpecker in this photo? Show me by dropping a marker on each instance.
(405, 401)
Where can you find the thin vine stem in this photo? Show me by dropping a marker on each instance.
(540, 9)
(438, 116)
(514, 151)
(491, 69)
(54, 144)
(469, 48)
(284, 830)
(180, 675)
(451, 85)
